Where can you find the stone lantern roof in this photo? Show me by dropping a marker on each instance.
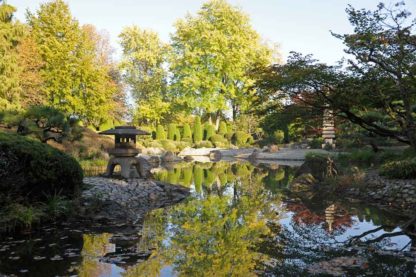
(124, 131)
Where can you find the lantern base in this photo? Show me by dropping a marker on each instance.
(131, 167)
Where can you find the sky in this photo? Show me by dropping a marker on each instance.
(295, 25)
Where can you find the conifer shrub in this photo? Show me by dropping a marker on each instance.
(222, 130)
(198, 132)
(187, 133)
(172, 131)
(160, 133)
(209, 131)
(177, 136)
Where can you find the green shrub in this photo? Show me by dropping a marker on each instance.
(155, 144)
(160, 132)
(278, 136)
(198, 133)
(405, 169)
(172, 131)
(222, 130)
(316, 143)
(168, 145)
(209, 131)
(10, 118)
(187, 140)
(177, 136)
(26, 215)
(365, 156)
(187, 133)
(203, 144)
(240, 138)
(33, 169)
(219, 141)
(180, 145)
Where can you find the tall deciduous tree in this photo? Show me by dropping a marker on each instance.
(213, 54)
(144, 55)
(11, 32)
(75, 78)
(376, 89)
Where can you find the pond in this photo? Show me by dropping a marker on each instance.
(240, 220)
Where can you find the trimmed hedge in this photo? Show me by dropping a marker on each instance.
(32, 169)
(405, 169)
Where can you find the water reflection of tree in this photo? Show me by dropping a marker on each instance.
(94, 246)
(216, 233)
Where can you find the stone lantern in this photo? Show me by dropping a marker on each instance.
(124, 152)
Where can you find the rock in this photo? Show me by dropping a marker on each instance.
(188, 158)
(169, 157)
(188, 151)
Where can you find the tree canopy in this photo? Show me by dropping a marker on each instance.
(375, 88)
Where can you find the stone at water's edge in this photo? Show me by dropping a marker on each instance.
(119, 200)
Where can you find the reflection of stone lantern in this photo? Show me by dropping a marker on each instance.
(124, 152)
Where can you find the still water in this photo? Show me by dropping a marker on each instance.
(240, 220)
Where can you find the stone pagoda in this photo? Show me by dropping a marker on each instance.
(124, 152)
(328, 130)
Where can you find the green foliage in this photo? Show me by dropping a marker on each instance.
(57, 205)
(77, 79)
(198, 132)
(177, 136)
(172, 129)
(209, 65)
(203, 144)
(11, 33)
(142, 64)
(26, 215)
(316, 143)
(222, 129)
(160, 132)
(209, 131)
(366, 91)
(279, 136)
(11, 118)
(187, 133)
(240, 138)
(40, 169)
(405, 169)
(219, 141)
(198, 178)
(168, 145)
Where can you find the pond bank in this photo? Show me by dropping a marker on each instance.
(391, 193)
(120, 200)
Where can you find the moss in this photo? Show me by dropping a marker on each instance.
(35, 169)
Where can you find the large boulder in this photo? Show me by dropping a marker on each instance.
(34, 170)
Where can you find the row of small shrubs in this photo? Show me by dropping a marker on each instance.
(200, 135)
(405, 169)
